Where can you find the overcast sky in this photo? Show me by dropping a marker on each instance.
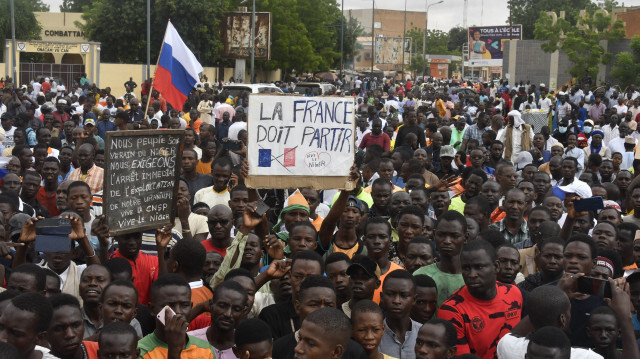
(443, 16)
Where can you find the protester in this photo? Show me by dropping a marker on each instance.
(436, 176)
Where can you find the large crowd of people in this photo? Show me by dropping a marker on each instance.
(472, 231)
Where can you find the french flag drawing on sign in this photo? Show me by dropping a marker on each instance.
(289, 157)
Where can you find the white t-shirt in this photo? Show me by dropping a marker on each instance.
(512, 347)
(235, 128)
(8, 137)
(545, 104)
(210, 197)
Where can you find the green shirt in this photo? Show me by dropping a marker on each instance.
(447, 283)
(151, 347)
(457, 204)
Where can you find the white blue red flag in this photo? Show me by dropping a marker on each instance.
(177, 71)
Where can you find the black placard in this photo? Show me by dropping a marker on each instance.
(141, 172)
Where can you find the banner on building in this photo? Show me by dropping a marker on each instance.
(486, 43)
(389, 50)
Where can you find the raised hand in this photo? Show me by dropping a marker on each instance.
(274, 247)
(163, 236)
(277, 269)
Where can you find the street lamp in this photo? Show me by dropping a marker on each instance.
(424, 41)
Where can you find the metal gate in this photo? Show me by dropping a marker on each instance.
(65, 73)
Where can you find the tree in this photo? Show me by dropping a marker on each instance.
(320, 18)
(627, 65)
(527, 12)
(74, 5)
(352, 30)
(437, 41)
(457, 37)
(580, 40)
(197, 21)
(27, 27)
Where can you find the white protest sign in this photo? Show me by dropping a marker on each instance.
(310, 141)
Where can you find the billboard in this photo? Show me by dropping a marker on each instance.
(389, 50)
(486, 43)
(236, 35)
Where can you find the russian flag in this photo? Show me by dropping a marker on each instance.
(177, 71)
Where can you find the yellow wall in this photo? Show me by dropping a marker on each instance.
(60, 26)
(115, 75)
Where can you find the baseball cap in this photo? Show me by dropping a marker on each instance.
(524, 158)
(612, 204)
(15, 225)
(447, 151)
(365, 263)
(90, 121)
(62, 102)
(353, 201)
(578, 187)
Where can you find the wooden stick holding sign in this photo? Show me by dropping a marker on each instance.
(297, 141)
(141, 179)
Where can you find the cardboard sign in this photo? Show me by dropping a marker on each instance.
(141, 179)
(297, 141)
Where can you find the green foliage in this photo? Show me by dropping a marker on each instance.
(74, 5)
(305, 34)
(457, 37)
(121, 27)
(626, 69)
(580, 39)
(352, 30)
(27, 27)
(527, 12)
(437, 42)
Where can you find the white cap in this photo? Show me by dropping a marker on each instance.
(578, 187)
(543, 85)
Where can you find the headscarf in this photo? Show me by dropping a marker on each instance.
(517, 118)
(593, 149)
(294, 201)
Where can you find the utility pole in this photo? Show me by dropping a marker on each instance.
(13, 43)
(404, 31)
(342, 41)
(424, 40)
(253, 38)
(148, 40)
(373, 35)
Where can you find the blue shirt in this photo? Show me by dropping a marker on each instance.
(222, 130)
(398, 181)
(103, 127)
(582, 115)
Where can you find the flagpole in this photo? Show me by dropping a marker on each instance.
(146, 109)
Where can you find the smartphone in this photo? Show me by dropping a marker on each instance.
(261, 208)
(54, 226)
(53, 243)
(589, 204)
(594, 286)
(231, 144)
(163, 312)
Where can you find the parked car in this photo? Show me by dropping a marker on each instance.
(235, 89)
(317, 88)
